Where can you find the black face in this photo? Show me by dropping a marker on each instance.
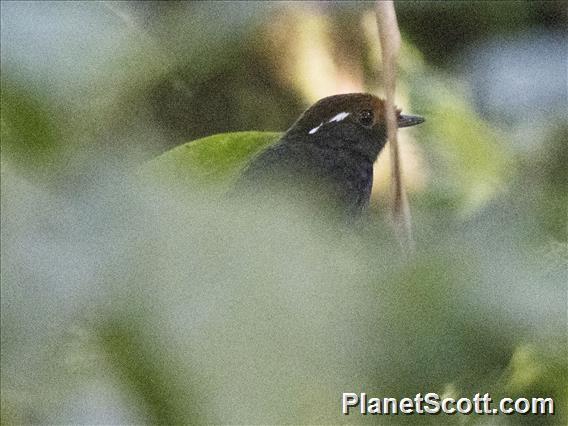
(358, 132)
(351, 122)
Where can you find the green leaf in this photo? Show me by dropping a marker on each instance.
(213, 162)
(28, 129)
(468, 154)
(141, 367)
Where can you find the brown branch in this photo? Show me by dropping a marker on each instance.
(389, 36)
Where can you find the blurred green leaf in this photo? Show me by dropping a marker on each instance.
(469, 155)
(28, 129)
(214, 161)
(148, 375)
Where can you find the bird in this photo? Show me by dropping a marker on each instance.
(327, 155)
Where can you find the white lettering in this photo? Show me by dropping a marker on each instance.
(349, 400)
(433, 403)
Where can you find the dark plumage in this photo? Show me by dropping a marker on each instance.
(328, 153)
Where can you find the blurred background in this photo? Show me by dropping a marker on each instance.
(124, 305)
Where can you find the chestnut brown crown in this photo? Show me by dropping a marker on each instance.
(363, 108)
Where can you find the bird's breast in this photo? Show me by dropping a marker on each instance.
(339, 176)
(348, 174)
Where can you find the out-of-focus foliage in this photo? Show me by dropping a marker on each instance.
(186, 303)
(29, 136)
(127, 300)
(470, 154)
(440, 29)
(213, 162)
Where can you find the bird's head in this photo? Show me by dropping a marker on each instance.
(354, 122)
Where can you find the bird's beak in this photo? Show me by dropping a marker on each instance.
(409, 120)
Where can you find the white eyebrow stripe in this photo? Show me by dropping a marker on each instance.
(339, 117)
(315, 129)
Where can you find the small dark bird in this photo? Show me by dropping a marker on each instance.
(328, 153)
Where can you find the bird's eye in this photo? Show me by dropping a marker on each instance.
(366, 117)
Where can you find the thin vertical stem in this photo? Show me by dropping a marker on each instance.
(389, 36)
